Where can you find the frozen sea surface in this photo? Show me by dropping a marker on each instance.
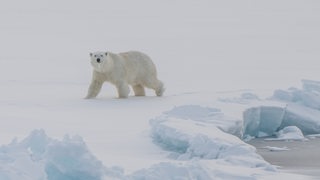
(219, 61)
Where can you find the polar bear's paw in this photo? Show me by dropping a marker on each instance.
(160, 90)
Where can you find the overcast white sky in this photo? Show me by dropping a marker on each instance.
(230, 44)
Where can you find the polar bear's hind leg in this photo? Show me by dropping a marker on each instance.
(123, 90)
(159, 88)
(138, 90)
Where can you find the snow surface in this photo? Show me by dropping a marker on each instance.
(218, 59)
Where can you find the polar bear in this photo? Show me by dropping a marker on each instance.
(128, 68)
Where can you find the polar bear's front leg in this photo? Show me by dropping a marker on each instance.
(94, 89)
(123, 90)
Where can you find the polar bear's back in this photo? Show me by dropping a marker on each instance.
(138, 65)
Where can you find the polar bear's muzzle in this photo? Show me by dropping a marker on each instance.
(98, 60)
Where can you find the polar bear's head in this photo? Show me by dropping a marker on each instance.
(99, 61)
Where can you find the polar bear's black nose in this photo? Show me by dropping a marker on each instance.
(98, 60)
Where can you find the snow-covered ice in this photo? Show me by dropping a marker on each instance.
(298, 107)
(40, 157)
(211, 116)
(312, 136)
(308, 96)
(289, 133)
(190, 138)
(204, 169)
(272, 148)
(195, 148)
(265, 121)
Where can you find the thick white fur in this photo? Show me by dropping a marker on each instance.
(124, 69)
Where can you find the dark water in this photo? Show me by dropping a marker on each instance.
(303, 157)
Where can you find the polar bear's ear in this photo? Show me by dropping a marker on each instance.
(90, 54)
(106, 54)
